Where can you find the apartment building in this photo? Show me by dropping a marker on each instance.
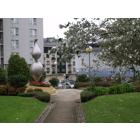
(52, 61)
(17, 36)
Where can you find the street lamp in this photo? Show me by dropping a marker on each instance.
(89, 50)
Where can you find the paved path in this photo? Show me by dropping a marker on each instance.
(64, 111)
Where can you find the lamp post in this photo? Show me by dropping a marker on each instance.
(89, 50)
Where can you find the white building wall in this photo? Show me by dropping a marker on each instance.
(82, 62)
(24, 37)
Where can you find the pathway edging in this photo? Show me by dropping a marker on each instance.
(79, 113)
(45, 113)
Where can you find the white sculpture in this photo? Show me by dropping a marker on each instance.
(36, 67)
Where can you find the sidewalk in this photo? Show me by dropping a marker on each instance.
(65, 108)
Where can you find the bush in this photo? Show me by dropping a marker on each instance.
(54, 81)
(41, 84)
(82, 84)
(20, 90)
(104, 83)
(42, 96)
(2, 76)
(93, 92)
(87, 95)
(3, 90)
(122, 88)
(82, 78)
(17, 80)
(26, 94)
(97, 79)
(18, 66)
(99, 90)
(11, 90)
(137, 88)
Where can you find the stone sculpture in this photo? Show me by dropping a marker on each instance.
(36, 67)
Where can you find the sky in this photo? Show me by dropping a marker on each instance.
(51, 26)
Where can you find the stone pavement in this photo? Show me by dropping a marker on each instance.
(66, 101)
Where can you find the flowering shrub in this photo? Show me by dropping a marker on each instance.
(41, 84)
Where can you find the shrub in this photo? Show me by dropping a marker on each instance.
(11, 90)
(17, 80)
(97, 79)
(87, 95)
(20, 90)
(93, 92)
(2, 76)
(82, 78)
(18, 66)
(26, 94)
(3, 90)
(42, 96)
(54, 81)
(137, 88)
(41, 84)
(82, 84)
(122, 88)
(99, 90)
(104, 83)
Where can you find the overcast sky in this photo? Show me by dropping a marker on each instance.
(51, 26)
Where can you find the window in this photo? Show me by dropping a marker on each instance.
(74, 70)
(14, 20)
(15, 31)
(47, 55)
(53, 70)
(73, 63)
(48, 62)
(82, 61)
(33, 32)
(48, 70)
(15, 44)
(33, 21)
(53, 55)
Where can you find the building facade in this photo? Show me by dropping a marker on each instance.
(17, 36)
(97, 66)
(52, 61)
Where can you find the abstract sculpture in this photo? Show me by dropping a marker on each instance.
(36, 67)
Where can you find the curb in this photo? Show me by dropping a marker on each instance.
(79, 113)
(45, 113)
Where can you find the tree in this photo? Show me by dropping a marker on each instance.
(121, 41)
(18, 66)
(80, 34)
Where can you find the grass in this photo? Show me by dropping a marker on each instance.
(122, 108)
(14, 109)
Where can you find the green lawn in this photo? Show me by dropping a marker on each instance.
(113, 109)
(20, 109)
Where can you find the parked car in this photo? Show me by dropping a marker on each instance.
(69, 85)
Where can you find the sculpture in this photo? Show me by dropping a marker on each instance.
(36, 67)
